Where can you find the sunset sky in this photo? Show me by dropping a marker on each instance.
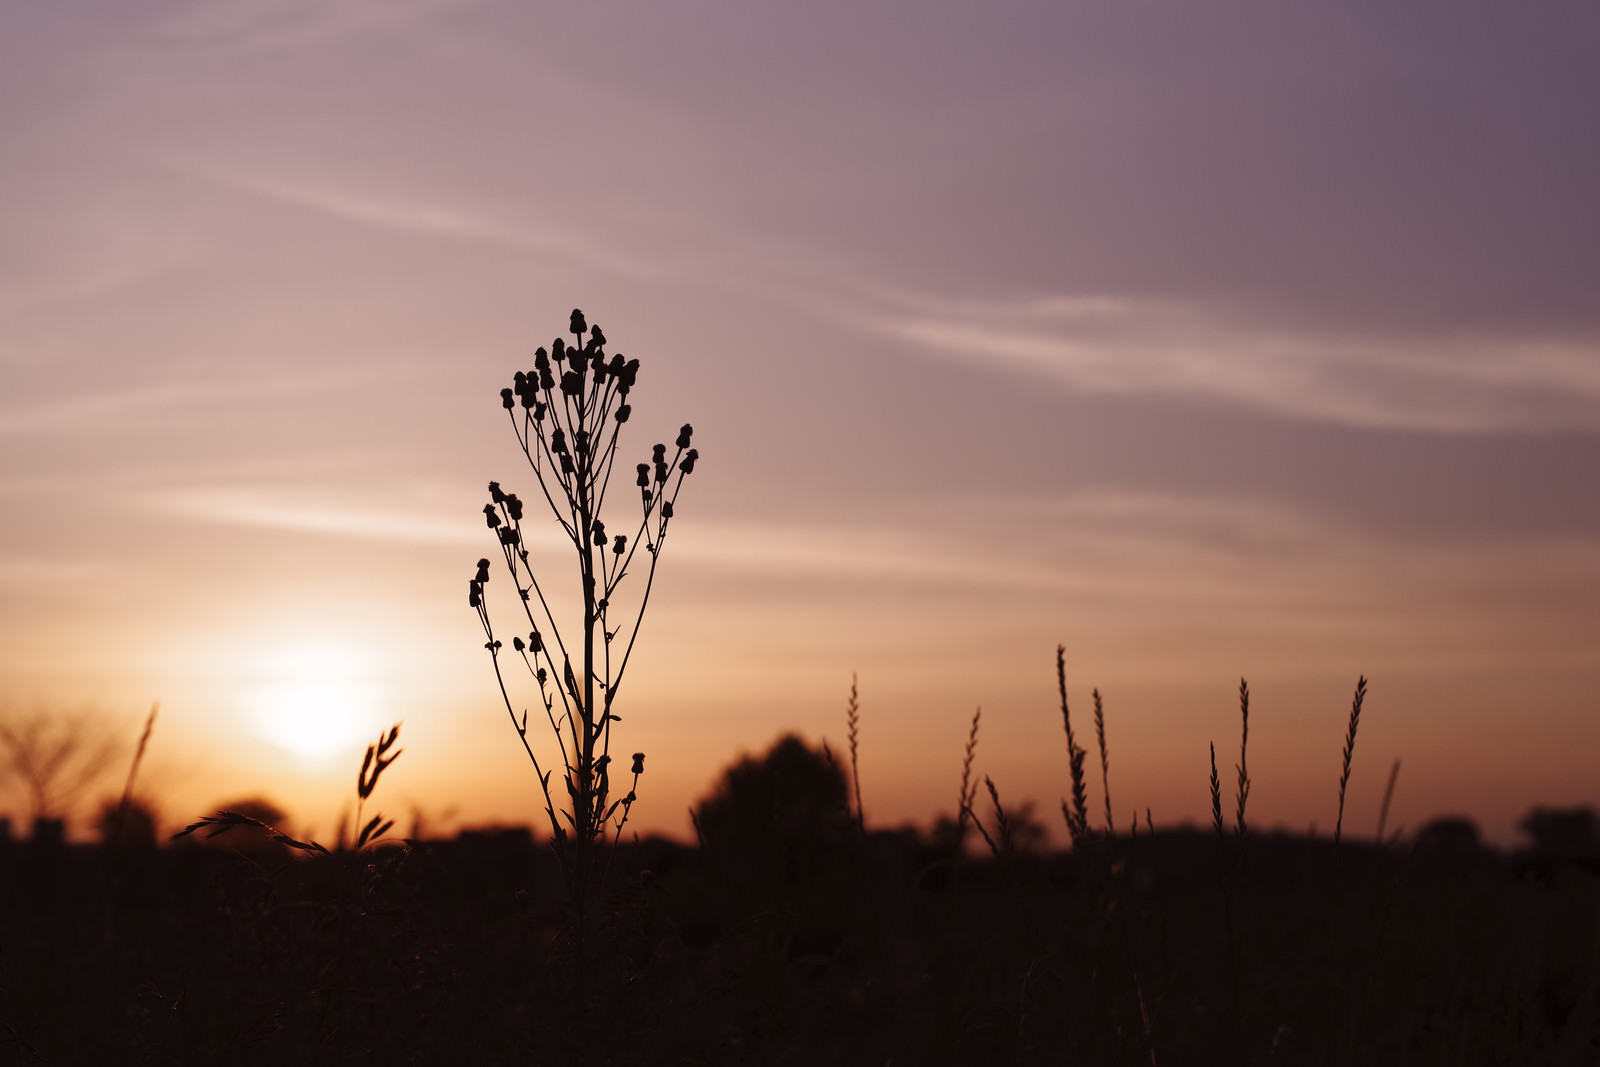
(1236, 339)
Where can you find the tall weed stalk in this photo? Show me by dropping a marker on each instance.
(567, 414)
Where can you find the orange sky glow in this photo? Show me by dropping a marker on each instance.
(1258, 344)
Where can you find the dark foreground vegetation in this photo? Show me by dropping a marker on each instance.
(788, 936)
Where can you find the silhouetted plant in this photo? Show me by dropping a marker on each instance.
(969, 788)
(115, 836)
(1349, 751)
(567, 413)
(1077, 815)
(376, 762)
(1243, 767)
(55, 756)
(257, 821)
(852, 713)
(1105, 758)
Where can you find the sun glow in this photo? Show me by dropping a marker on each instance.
(315, 700)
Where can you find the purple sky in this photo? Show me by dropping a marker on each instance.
(1252, 339)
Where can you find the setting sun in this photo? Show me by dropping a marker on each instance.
(314, 700)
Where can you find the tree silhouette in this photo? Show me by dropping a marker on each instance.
(54, 756)
(782, 811)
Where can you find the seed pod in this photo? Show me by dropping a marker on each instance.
(483, 571)
(595, 336)
(495, 494)
(684, 435)
(687, 466)
(558, 350)
(578, 326)
(658, 454)
(638, 763)
(619, 546)
(474, 594)
(516, 643)
(566, 464)
(666, 509)
(623, 412)
(572, 383)
(514, 507)
(547, 380)
(644, 474)
(541, 360)
(491, 516)
(543, 676)
(599, 532)
(508, 535)
(538, 412)
(535, 642)
(558, 440)
(507, 400)
(661, 471)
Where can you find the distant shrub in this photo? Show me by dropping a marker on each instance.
(1450, 837)
(785, 809)
(1562, 833)
(133, 826)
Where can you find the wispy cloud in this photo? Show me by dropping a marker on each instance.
(275, 512)
(289, 23)
(114, 407)
(423, 218)
(1121, 551)
(1111, 345)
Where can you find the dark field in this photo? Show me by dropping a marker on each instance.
(800, 941)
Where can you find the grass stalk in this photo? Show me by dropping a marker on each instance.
(133, 773)
(1349, 751)
(969, 788)
(1388, 795)
(1105, 761)
(853, 721)
(1078, 815)
(1243, 767)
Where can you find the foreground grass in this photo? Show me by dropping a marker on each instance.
(838, 948)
